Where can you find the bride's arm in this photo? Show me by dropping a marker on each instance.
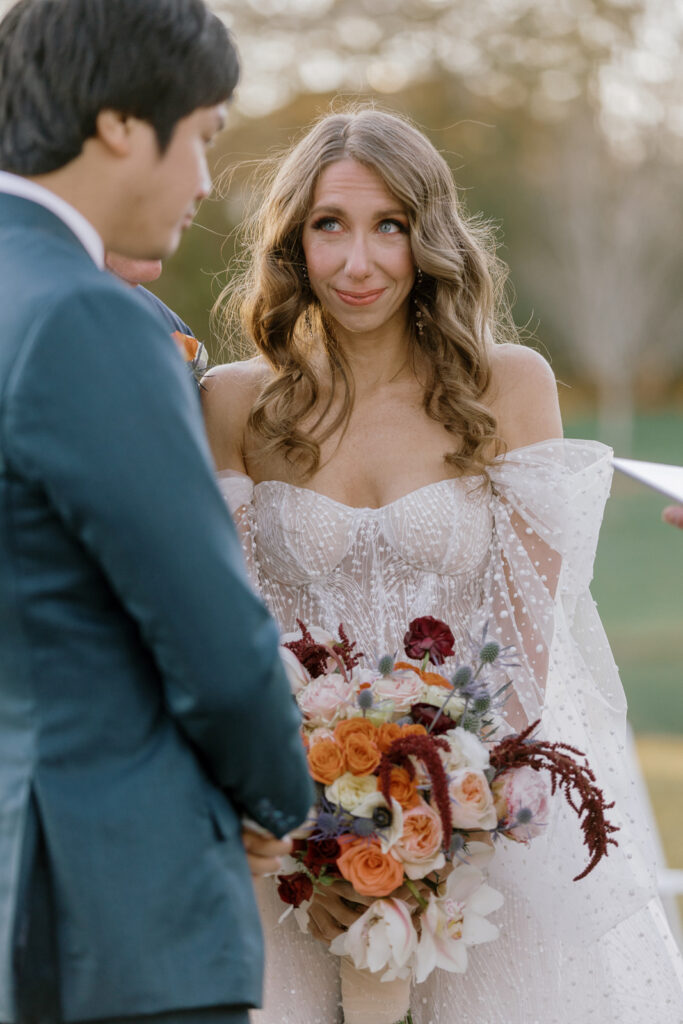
(524, 400)
(228, 395)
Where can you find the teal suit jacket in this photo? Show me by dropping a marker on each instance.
(143, 707)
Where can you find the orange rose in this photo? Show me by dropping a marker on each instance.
(370, 872)
(386, 734)
(326, 761)
(403, 788)
(352, 726)
(362, 755)
(413, 730)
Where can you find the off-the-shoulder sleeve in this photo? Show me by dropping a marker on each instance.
(547, 502)
(238, 491)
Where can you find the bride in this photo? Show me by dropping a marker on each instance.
(390, 452)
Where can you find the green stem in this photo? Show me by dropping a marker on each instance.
(409, 884)
(407, 1019)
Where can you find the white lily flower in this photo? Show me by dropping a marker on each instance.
(456, 920)
(297, 675)
(382, 939)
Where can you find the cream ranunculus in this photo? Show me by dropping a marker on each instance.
(352, 791)
(454, 921)
(382, 939)
(466, 751)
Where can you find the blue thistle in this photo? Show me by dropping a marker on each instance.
(385, 666)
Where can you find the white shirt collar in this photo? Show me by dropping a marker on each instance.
(15, 185)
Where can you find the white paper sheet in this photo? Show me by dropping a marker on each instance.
(667, 479)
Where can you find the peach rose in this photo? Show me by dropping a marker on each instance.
(471, 800)
(403, 788)
(326, 761)
(324, 698)
(420, 845)
(403, 689)
(362, 755)
(522, 799)
(370, 872)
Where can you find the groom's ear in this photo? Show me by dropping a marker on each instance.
(115, 131)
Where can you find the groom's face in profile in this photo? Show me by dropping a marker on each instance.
(166, 187)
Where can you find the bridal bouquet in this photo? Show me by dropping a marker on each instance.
(409, 782)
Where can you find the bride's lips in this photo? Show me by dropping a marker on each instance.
(359, 298)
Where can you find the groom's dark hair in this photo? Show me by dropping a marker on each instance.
(63, 61)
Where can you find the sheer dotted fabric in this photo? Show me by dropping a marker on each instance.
(513, 551)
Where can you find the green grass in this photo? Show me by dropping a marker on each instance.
(638, 581)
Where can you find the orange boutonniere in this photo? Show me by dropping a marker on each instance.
(192, 351)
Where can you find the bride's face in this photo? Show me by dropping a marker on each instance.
(356, 241)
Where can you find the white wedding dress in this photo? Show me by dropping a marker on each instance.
(514, 551)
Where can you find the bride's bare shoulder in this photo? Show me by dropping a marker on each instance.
(523, 397)
(228, 395)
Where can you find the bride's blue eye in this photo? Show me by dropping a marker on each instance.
(390, 227)
(326, 224)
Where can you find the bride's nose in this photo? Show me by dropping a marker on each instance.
(358, 258)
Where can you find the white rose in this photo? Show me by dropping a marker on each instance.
(351, 791)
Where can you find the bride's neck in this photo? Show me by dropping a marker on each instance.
(376, 360)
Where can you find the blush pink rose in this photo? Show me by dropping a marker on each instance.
(403, 689)
(522, 799)
(471, 800)
(419, 847)
(324, 697)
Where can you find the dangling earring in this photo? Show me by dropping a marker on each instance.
(419, 323)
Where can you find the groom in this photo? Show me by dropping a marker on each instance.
(143, 708)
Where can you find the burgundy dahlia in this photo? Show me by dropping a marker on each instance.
(295, 888)
(320, 853)
(428, 636)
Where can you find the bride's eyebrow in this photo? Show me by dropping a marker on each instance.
(338, 211)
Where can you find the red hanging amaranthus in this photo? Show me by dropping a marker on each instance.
(574, 778)
(423, 747)
(314, 656)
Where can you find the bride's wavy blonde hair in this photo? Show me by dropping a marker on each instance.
(460, 293)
